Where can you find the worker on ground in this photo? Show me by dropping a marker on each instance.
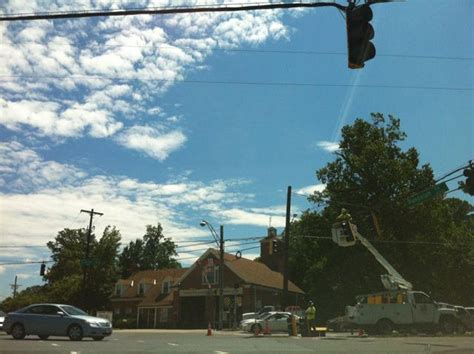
(310, 318)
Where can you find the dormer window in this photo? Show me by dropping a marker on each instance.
(141, 289)
(118, 289)
(166, 287)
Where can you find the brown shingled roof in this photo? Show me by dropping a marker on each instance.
(251, 272)
(149, 276)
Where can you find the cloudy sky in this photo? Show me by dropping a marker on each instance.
(177, 118)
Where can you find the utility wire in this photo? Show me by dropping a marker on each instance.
(244, 50)
(386, 241)
(9, 78)
(163, 10)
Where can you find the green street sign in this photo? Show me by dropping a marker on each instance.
(428, 194)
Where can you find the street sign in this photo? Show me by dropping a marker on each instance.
(428, 194)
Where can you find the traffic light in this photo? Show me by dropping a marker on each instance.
(359, 33)
(347, 231)
(469, 183)
(275, 246)
(42, 269)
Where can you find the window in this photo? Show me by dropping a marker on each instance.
(141, 289)
(211, 276)
(165, 289)
(118, 290)
(422, 298)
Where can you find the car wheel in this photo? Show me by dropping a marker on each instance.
(460, 329)
(75, 332)
(256, 327)
(384, 326)
(18, 331)
(43, 337)
(97, 338)
(447, 326)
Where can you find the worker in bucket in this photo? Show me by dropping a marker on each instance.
(310, 318)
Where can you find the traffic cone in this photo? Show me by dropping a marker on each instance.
(209, 329)
(361, 332)
(266, 330)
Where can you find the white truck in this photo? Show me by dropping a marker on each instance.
(399, 307)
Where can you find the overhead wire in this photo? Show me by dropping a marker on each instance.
(9, 78)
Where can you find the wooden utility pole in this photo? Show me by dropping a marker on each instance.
(286, 250)
(86, 261)
(15, 286)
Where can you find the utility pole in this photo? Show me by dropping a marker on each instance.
(86, 262)
(221, 278)
(15, 286)
(286, 250)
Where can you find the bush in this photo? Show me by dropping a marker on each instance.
(125, 323)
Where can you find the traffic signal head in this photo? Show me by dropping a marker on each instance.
(275, 246)
(469, 183)
(42, 269)
(359, 34)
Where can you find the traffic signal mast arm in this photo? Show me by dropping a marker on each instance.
(391, 281)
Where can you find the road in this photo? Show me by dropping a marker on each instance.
(196, 341)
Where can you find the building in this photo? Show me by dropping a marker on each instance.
(189, 298)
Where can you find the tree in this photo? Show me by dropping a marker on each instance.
(154, 251)
(65, 275)
(31, 295)
(430, 244)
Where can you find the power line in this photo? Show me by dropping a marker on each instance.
(386, 241)
(9, 78)
(245, 50)
(163, 10)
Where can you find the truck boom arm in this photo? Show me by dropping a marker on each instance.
(393, 280)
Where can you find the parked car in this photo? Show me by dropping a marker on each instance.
(263, 310)
(46, 320)
(467, 319)
(470, 310)
(2, 319)
(253, 319)
(277, 322)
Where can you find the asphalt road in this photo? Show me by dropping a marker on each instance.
(192, 341)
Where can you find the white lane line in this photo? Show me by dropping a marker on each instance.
(74, 352)
(219, 352)
(55, 345)
(173, 344)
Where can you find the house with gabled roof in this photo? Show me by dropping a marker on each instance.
(189, 298)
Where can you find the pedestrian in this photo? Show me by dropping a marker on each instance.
(310, 318)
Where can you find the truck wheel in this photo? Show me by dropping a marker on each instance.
(447, 325)
(460, 329)
(384, 326)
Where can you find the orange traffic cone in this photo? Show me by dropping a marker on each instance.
(209, 329)
(266, 331)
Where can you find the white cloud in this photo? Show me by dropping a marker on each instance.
(329, 146)
(155, 142)
(49, 195)
(308, 190)
(136, 58)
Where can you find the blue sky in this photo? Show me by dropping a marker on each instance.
(116, 115)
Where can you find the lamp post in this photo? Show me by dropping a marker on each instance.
(220, 243)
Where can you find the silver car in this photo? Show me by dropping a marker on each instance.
(2, 318)
(46, 320)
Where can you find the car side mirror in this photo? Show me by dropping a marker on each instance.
(60, 313)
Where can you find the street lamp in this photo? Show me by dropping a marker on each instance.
(220, 243)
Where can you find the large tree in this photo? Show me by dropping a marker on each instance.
(153, 251)
(431, 244)
(66, 274)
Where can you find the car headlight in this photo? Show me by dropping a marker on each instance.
(93, 324)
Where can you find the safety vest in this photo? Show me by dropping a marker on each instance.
(311, 313)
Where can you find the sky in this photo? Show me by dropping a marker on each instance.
(176, 118)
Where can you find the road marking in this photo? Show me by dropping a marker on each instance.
(141, 341)
(218, 352)
(55, 345)
(173, 344)
(74, 352)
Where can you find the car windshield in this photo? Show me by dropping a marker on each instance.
(73, 311)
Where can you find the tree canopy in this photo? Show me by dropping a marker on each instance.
(153, 251)
(431, 244)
